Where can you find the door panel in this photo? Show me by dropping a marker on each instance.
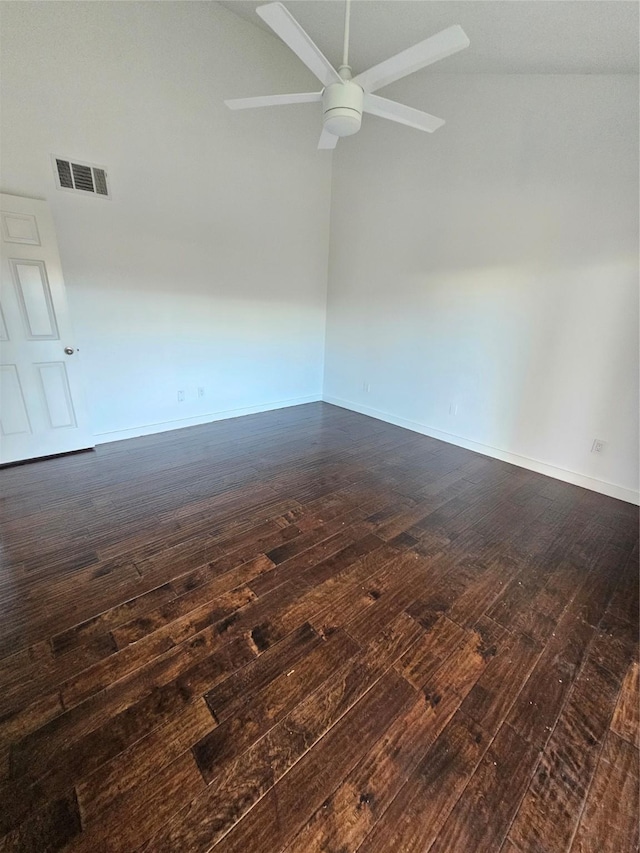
(34, 298)
(42, 410)
(57, 394)
(4, 335)
(20, 228)
(14, 412)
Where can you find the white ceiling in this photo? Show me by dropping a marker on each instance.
(507, 36)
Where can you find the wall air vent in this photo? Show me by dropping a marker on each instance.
(81, 177)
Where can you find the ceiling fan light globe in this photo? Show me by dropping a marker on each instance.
(342, 122)
(342, 105)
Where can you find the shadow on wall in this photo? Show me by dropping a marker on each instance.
(151, 355)
(535, 361)
(583, 367)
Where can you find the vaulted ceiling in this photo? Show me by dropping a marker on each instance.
(507, 36)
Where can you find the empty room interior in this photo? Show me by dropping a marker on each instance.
(319, 426)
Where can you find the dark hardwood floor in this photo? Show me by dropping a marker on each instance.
(307, 630)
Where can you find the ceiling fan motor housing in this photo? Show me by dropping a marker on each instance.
(342, 106)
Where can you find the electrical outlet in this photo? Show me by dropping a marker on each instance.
(181, 396)
(366, 387)
(200, 391)
(453, 408)
(598, 445)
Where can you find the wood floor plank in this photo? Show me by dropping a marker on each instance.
(83, 648)
(143, 759)
(242, 724)
(350, 812)
(276, 818)
(425, 657)
(52, 826)
(97, 626)
(295, 566)
(330, 603)
(550, 811)
(18, 724)
(230, 695)
(626, 717)
(625, 602)
(236, 785)
(482, 815)
(417, 814)
(39, 771)
(83, 739)
(219, 589)
(540, 701)
(448, 686)
(509, 847)
(132, 656)
(394, 595)
(609, 822)
(493, 694)
(133, 816)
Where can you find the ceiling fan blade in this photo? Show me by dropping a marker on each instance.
(327, 140)
(414, 58)
(273, 100)
(399, 112)
(285, 25)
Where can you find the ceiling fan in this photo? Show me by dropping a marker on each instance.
(344, 97)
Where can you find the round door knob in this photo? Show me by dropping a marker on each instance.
(69, 350)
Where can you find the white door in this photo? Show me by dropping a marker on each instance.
(41, 403)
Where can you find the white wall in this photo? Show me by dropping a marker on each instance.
(208, 267)
(492, 267)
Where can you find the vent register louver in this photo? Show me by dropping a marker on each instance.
(82, 177)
